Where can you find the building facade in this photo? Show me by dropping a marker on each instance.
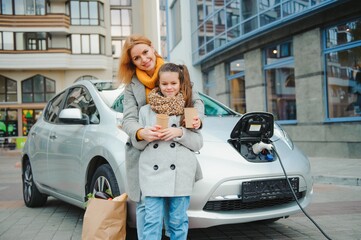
(299, 60)
(47, 45)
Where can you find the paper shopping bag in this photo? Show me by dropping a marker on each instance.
(105, 219)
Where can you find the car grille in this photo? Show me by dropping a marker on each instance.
(231, 205)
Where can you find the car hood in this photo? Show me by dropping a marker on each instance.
(219, 129)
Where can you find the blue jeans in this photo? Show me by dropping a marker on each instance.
(154, 214)
(140, 216)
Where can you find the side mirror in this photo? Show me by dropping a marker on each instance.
(73, 116)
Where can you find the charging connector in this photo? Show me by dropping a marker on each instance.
(260, 146)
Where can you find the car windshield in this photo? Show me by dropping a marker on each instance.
(109, 92)
(214, 108)
(211, 107)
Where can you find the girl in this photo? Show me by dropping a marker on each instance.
(167, 167)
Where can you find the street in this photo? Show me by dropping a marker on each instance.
(335, 208)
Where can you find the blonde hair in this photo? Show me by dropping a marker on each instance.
(126, 65)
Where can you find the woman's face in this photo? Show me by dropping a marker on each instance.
(169, 83)
(143, 57)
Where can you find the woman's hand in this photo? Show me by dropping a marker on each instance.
(168, 134)
(149, 134)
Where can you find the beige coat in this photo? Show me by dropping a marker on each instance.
(134, 99)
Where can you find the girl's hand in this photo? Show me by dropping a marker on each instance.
(197, 122)
(168, 134)
(149, 134)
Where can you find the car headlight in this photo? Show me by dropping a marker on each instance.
(284, 135)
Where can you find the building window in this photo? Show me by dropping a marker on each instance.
(8, 123)
(8, 90)
(117, 47)
(121, 3)
(343, 70)
(6, 7)
(176, 24)
(217, 23)
(280, 81)
(26, 7)
(24, 41)
(121, 22)
(87, 44)
(6, 41)
(210, 83)
(236, 78)
(37, 89)
(86, 12)
(31, 41)
(29, 118)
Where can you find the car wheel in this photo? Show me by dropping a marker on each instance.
(32, 196)
(104, 181)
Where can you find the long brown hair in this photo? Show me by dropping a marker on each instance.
(126, 66)
(184, 80)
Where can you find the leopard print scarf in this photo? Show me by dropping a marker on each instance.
(166, 105)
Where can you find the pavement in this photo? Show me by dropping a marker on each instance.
(60, 221)
(341, 171)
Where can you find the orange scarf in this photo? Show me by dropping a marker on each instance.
(146, 80)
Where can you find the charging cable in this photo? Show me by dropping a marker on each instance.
(295, 197)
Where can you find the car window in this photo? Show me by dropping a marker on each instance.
(53, 108)
(79, 97)
(118, 104)
(213, 108)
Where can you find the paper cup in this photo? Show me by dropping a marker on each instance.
(189, 114)
(162, 120)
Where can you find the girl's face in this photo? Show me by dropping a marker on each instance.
(169, 83)
(143, 57)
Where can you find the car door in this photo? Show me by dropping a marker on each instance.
(65, 148)
(39, 137)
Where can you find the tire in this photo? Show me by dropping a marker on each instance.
(32, 196)
(104, 181)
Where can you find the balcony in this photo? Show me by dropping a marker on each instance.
(35, 21)
(55, 59)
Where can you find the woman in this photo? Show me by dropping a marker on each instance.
(138, 69)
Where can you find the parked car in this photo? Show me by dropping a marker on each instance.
(77, 147)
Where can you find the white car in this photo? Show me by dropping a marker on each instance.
(77, 147)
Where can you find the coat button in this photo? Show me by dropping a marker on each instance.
(174, 125)
(172, 166)
(172, 145)
(155, 167)
(155, 145)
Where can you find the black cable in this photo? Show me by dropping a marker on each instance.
(295, 197)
